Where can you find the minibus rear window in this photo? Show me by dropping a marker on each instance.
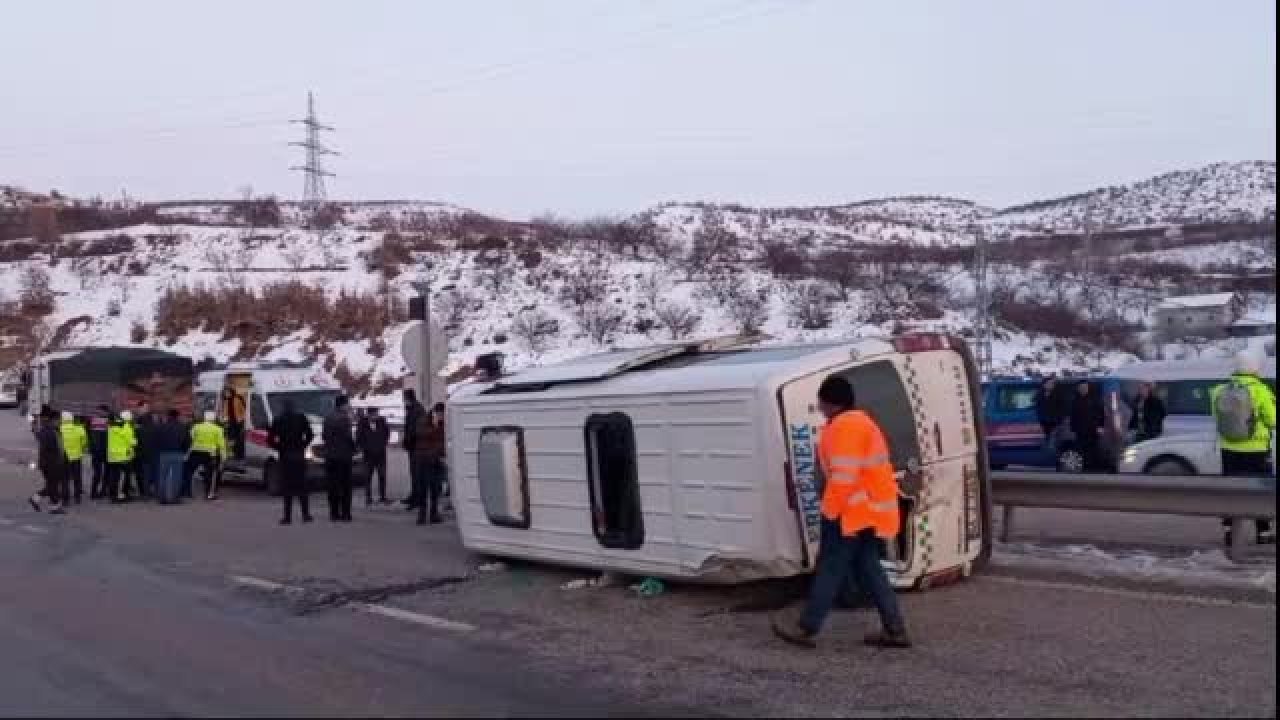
(880, 392)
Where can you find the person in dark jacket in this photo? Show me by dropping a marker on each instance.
(1147, 421)
(49, 461)
(169, 442)
(339, 452)
(145, 456)
(1046, 403)
(429, 452)
(412, 409)
(1086, 421)
(98, 451)
(290, 436)
(373, 435)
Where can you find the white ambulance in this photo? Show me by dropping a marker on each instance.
(256, 393)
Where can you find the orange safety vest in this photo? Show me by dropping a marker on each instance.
(861, 490)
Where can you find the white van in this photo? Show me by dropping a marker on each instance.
(1189, 445)
(1184, 385)
(698, 461)
(264, 388)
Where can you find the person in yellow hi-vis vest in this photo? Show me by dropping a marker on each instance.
(208, 450)
(859, 512)
(75, 443)
(120, 450)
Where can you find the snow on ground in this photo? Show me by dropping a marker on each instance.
(1205, 567)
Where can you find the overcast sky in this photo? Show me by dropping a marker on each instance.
(584, 107)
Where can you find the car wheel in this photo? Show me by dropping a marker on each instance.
(1071, 460)
(271, 478)
(1170, 466)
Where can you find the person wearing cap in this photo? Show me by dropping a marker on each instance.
(1245, 451)
(208, 450)
(75, 441)
(859, 513)
(120, 451)
(50, 461)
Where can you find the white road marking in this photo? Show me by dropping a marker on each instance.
(258, 583)
(5, 521)
(35, 529)
(413, 617)
(394, 613)
(1132, 594)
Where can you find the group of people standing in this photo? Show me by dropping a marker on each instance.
(1077, 414)
(368, 435)
(131, 455)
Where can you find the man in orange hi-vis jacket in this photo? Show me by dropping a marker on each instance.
(859, 512)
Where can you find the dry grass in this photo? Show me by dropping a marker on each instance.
(278, 309)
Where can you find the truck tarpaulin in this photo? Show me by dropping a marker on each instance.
(120, 378)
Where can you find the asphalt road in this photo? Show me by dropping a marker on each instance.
(214, 609)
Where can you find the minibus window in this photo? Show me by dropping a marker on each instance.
(616, 516)
(503, 476)
(880, 392)
(258, 412)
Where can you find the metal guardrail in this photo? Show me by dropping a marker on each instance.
(1238, 498)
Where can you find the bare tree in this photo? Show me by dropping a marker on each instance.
(599, 320)
(808, 305)
(453, 307)
(35, 290)
(85, 272)
(679, 319)
(713, 244)
(652, 286)
(744, 297)
(841, 268)
(588, 283)
(535, 328)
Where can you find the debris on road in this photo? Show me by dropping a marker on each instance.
(649, 587)
(495, 566)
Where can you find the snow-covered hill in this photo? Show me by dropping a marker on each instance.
(204, 280)
(1218, 193)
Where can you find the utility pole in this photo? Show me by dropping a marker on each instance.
(1086, 260)
(313, 172)
(982, 325)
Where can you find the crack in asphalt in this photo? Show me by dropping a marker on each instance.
(312, 600)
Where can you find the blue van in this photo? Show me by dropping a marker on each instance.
(1014, 436)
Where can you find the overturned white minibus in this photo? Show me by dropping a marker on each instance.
(697, 461)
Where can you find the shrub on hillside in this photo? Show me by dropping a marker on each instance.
(275, 310)
(16, 250)
(36, 294)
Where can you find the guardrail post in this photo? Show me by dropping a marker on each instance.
(1236, 550)
(1006, 524)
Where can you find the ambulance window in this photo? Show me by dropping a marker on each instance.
(258, 412)
(616, 516)
(879, 391)
(503, 476)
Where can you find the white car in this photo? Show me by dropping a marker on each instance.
(8, 395)
(1185, 454)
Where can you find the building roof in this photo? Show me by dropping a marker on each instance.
(1197, 301)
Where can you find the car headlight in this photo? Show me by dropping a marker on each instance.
(308, 454)
(1129, 455)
